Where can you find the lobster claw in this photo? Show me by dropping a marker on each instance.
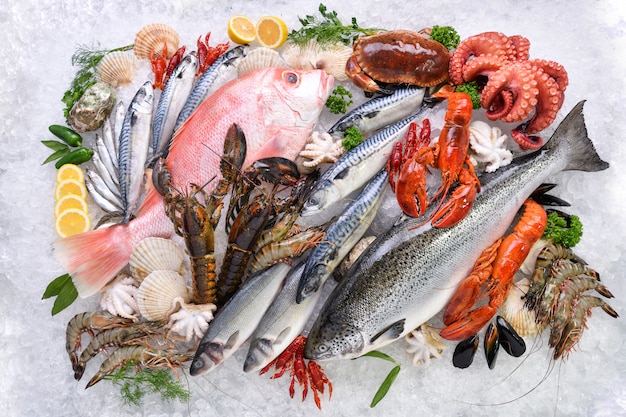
(470, 324)
(461, 200)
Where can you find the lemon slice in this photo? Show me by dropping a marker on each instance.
(70, 186)
(70, 171)
(71, 222)
(241, 29)
(271, 31)
(69, 201)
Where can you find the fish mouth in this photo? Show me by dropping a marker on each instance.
(207, 357)
(326, 85)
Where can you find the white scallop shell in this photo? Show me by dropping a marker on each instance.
(152, 37)
(260, 58)
(331, 59)
(153, 254)
(117, 68)
(159, 294)
(517, 314)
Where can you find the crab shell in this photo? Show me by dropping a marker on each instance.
(402, 57)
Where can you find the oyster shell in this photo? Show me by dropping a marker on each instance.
(152, 37)
(260, 58)
(159, 294)
(153, 254)
(89, 112)
(517, 314)
(117, 68)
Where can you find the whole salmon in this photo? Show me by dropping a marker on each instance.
(407, 276)
(277, 109)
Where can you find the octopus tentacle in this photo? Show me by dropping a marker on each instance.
(487, 43)
(550, 98)
(484, 65)
(521, 45)
(517, 79)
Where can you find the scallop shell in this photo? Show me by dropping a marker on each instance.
(331, 59)
(117, 68)
(159, 294)
(260, 58)
(151, 38)
(153, 254)
(517, 314)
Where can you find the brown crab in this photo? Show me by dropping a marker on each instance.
(397, 57)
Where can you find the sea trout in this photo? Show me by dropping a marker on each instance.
(408, 275)
(276, 108)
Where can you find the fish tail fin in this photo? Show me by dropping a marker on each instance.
(572, 129)
(93, 258)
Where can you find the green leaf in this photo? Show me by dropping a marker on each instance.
(54, 145)
(56, 155)
(66, 297)
(381, 355)
(384, 387)
(54, 288)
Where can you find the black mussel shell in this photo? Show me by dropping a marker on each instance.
(491, 345)
(510, 341)
(464, 352)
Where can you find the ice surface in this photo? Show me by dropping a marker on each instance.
(588, 38)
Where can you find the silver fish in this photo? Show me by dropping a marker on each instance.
(204, 84)
(105, 155)
(104, 200)
(133, 147)
(281, 324)
(171, 102)
(341, 236)
(104, 171)
(236, 320)
(355, 168)
(381, 111)
(407, 276)
(108, 140)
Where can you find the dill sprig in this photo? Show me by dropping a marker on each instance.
(134, 387)
(328, 30)
(86, 59)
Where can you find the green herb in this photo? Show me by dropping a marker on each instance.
(352, 138)
(134, 387)
(339, 100)
(328, 30)
(388, 381)
(63, 288)
(59, 150)
(563, 229)
(87, 59)
(445, 35)
(472, 90)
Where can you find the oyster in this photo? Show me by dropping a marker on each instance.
(89, 112)
(331, 59)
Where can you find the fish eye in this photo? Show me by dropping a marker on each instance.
(322, 348)
(291, 77)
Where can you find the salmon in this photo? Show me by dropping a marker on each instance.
(277, 108)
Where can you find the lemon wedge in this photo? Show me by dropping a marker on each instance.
(70, 186)
(241, 29)
(72, 221)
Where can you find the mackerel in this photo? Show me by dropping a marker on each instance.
(407, 276)
(341, 236)
(381, 111)
(133, 148)
(207, 80)
(356, 167)
(281, 324)
(236, 320)
(171, 102)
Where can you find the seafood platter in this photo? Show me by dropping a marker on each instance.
(293, 205)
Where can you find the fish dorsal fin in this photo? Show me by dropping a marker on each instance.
(391, 332)
(282, 335)
(232, 340)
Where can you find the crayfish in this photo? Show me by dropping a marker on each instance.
(408, 169)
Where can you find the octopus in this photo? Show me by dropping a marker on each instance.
(424, 344)
(487, 146)
(321, 148)
(119, 297)
(515, 84)
(191, 320)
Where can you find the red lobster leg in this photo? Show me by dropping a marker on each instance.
(492, 279)
(460, 201)
(158, 64)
